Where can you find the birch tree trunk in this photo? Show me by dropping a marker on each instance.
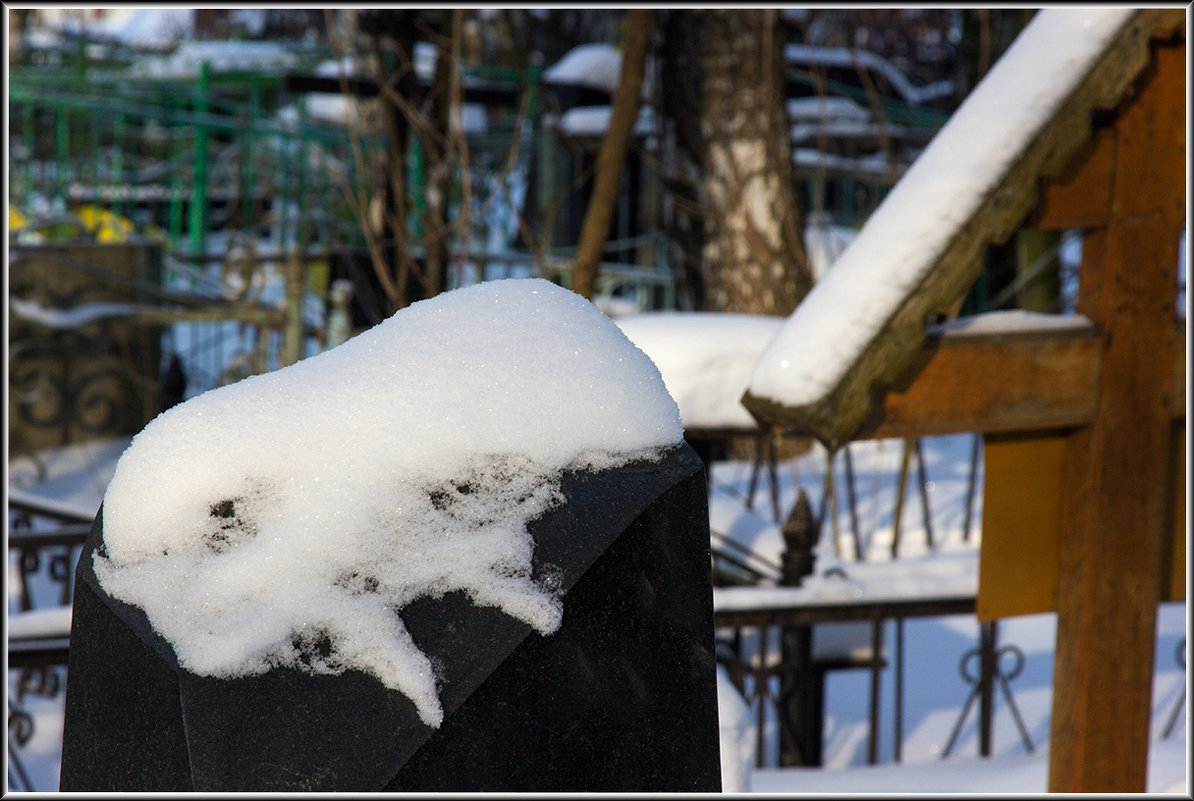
(753, 258)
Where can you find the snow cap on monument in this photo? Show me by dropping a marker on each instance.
(282, 520)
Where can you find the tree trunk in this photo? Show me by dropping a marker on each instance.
(753, 258)
(678, 101)
(612, 156)
(434, 139)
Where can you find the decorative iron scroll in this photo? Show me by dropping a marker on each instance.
(73, 377)
(64, 383)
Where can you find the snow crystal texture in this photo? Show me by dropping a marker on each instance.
(286, 520)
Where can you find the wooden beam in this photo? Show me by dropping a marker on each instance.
(1022, 381)
(1114, 508)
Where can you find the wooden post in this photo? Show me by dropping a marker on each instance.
(1114, 508)
(292, 328)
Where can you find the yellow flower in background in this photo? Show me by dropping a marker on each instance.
(106, 226)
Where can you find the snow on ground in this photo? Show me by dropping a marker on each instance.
(937, 575)
(74, 475)
(338, 109)
(935, 691)
(963, 775)
(836, 130)
(934, 694)
(814, 58)
(915, 222)
(876, 164)
(706, 358)
(824, 242)
(1010, 321)
(875, 466)
(825, 108)
(136, 27)
(49, 622)
(74, 317)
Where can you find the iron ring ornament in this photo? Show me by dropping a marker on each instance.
(1002, 678)
(974, 657)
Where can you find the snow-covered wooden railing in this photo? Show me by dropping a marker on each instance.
(863, 324)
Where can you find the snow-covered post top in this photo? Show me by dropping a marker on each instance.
(291, 515)
(917, 250)
(705, 359)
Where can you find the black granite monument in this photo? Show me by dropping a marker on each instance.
(622, 697)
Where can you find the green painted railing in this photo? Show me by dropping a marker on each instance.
(192, 155)
(172, 152)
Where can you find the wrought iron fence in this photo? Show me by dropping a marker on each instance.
(43, 543)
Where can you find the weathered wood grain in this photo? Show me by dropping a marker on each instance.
(1029, 380)
(1024, 381)
(1115, 510)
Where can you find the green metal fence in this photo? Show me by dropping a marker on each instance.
(189, 157)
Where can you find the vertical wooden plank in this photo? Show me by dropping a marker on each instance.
(1175, 570)
(1017, 565)
(1022, 500)
(1114, 514)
